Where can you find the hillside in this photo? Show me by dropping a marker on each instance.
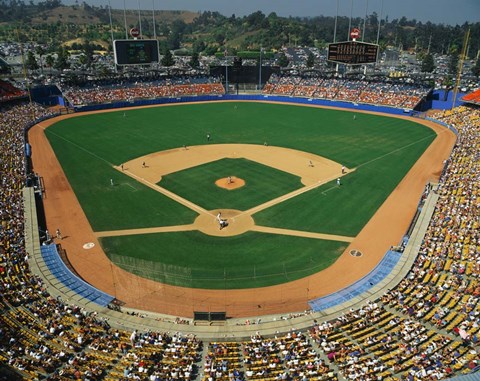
(85, 15)
(160, 16)
(50, 23)
(65, 14)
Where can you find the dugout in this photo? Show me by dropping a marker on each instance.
(202, 316)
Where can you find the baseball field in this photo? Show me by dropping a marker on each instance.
(294, 184)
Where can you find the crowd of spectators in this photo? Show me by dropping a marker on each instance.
(137, 90)
(386, 92)
(373, 91)
(426, 328)
(288, 357)
(44, 337)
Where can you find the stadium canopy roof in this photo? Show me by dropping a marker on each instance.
(473, 98)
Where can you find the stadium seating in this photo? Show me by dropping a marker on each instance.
(9, 92)
(379, 92)
(176, 87)
(426, 328)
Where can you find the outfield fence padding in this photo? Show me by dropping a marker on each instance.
(246, 97)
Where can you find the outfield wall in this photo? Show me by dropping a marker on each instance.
(248, 97)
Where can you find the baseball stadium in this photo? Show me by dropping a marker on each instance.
(190, 227)
(153, 211)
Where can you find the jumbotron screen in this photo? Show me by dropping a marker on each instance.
(135, 52)
(352, 53)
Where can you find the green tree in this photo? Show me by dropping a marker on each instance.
(282, 60)
(210, 50)
(310, 60)
(174, 40)
(41, 52)
(167, 59)
(31, 61)
(198, 46)
(194, 62)
(83, 59)
(256, 18)
(476, 69)
(49, 61)
(87, 50)
(61, 62)
(428, 64)
(219, 37)
(104, 71)
(448, 82)
(453, 63)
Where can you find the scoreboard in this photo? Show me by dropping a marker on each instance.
(135, 52)
(352, 53)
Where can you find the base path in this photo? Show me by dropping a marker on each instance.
(386, 228)
(298, 233)
(313, 170)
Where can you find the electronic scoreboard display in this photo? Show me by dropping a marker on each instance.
(135, 52)
(352, 53)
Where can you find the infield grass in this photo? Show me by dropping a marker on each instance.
(262, 184)
(382, 149)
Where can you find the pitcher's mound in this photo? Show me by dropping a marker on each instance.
(230, 183)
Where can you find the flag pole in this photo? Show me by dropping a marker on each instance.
(226, 70)
(125, 19)
(335, 28)
(260, 71)
(153, 15)
(350, 22)
(111, 26)
(140, 20)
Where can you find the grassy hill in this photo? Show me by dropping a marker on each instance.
(146, 15)
(64, 14)
(92, 16)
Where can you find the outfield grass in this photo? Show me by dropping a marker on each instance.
(262, 184)
(381, 148)
(192, 259)
(126, 205)
(345, 210)
(330, 133)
